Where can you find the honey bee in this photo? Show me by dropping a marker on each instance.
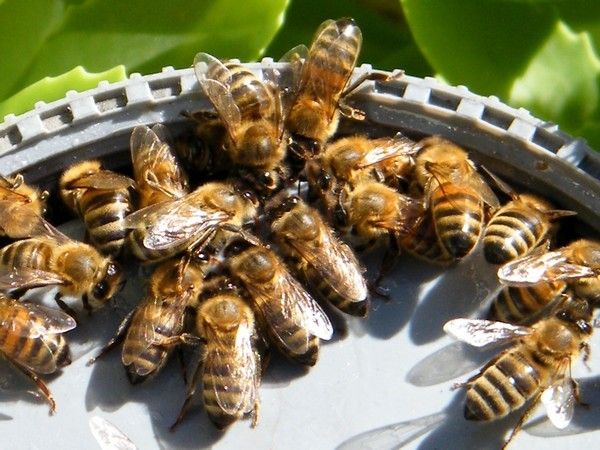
(31, 339)
(18, 194)
(230, 369)
(293, 320)
(578, 264)
(535, 368)
(158, 175)
(315, 253)
(322, 78)
(154, 328)
(388, 159)
(102, 198)
(77, 268)
(373, 210)
(455, 193)
(252, 115)
(190, 222)
(518, 227)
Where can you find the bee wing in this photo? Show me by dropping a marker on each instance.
(35, 320)
(480, 333)
(219, 93)
(238, 365)
(328, 91)
(25, 278)
(335, 262)
(108, 436)
(154, 141)
(19, 222)
(479, 185)
(171, 223)
(540, 267)
(289, 299)
(296, 57)
(559, 400)
(104, 179)
(388, 148)
(7, 193)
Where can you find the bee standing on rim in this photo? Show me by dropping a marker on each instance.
(251, 112)
(102, 198)
(158, 175)
(31, 339)
(518, 227)
(48, 257)
(455, 194)
(292, 319)
(319, 257)
(536, 368)
(319, 87)
(153, 329)
(230, 367)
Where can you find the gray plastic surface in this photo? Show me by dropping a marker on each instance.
(394, 368)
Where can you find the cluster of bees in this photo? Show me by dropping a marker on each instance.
(250, 223)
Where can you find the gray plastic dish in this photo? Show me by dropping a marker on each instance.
(387, 382)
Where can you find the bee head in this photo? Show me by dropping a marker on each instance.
(577, 312)
(110, 282)
(236, 246)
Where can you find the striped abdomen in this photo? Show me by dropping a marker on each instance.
(218, 379)
(338, 42)
(423, 243)
(458, 216)
(33, 253)
(512, 232)
(43, 354)
(296, 343)
(506, 385)
(103, 212)
(249, 93)
(328, 293)
(142, 358)
(517, 304)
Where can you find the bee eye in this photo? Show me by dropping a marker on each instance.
(100, 290)
(324, 180)
(250, 196)
(268, 179)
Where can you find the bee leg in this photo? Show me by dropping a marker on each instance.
(576, 394)
(182, 365)
(66, 308)
(116, 339)
(41, 385)
(387, 264)
(184, 338)
(191, 391)
(530, 409)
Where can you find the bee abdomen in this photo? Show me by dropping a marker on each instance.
(503, 387)
(30, 253)
(341, 302)
(458, 217)
(423, 243)
(511, 234)
(229, 389)
(104, 213)
(515, 304)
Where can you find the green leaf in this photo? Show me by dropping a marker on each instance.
(53, 88)
(561, 81)
(387, 42)
(482, 44)
(45, 38)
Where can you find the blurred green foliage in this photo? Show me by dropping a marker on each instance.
(538, 54)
